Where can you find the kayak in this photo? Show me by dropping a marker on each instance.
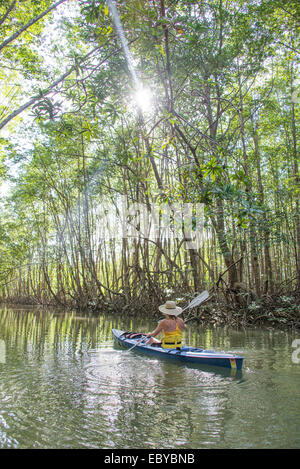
(186, 354)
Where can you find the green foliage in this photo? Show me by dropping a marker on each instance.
(223, 131)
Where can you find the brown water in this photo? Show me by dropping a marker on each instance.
(65, 384)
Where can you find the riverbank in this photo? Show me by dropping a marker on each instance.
(281, 311)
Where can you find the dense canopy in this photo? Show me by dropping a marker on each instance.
(164, 105)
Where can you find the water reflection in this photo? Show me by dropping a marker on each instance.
(65, 384)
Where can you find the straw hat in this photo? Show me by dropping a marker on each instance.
(170, 308)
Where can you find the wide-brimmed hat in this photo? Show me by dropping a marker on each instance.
(170, 308)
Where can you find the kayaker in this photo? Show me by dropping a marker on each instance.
(172, 327)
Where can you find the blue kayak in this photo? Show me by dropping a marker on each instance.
(186, 354)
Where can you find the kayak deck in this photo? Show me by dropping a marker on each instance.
(185, 354)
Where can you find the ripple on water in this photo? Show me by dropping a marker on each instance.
(65, 385)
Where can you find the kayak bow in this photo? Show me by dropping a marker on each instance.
(185, 354)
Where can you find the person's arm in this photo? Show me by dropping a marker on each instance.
(182, 325)
(157, 330)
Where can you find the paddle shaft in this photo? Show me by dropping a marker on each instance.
(138, 343)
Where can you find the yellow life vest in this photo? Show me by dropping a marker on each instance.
(172, 339)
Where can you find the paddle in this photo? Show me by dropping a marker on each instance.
(198, 300)
(195, 302)
(139, 342)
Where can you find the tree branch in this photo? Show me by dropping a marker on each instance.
(45, 93)
(10, 8)
(30, 23)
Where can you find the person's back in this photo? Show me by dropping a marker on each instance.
(172, 328)
(170, 323)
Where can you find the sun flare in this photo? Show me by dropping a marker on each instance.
(143, 99)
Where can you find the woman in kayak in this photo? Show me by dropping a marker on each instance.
(171, 326)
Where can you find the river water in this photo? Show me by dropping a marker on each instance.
(65, 384)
